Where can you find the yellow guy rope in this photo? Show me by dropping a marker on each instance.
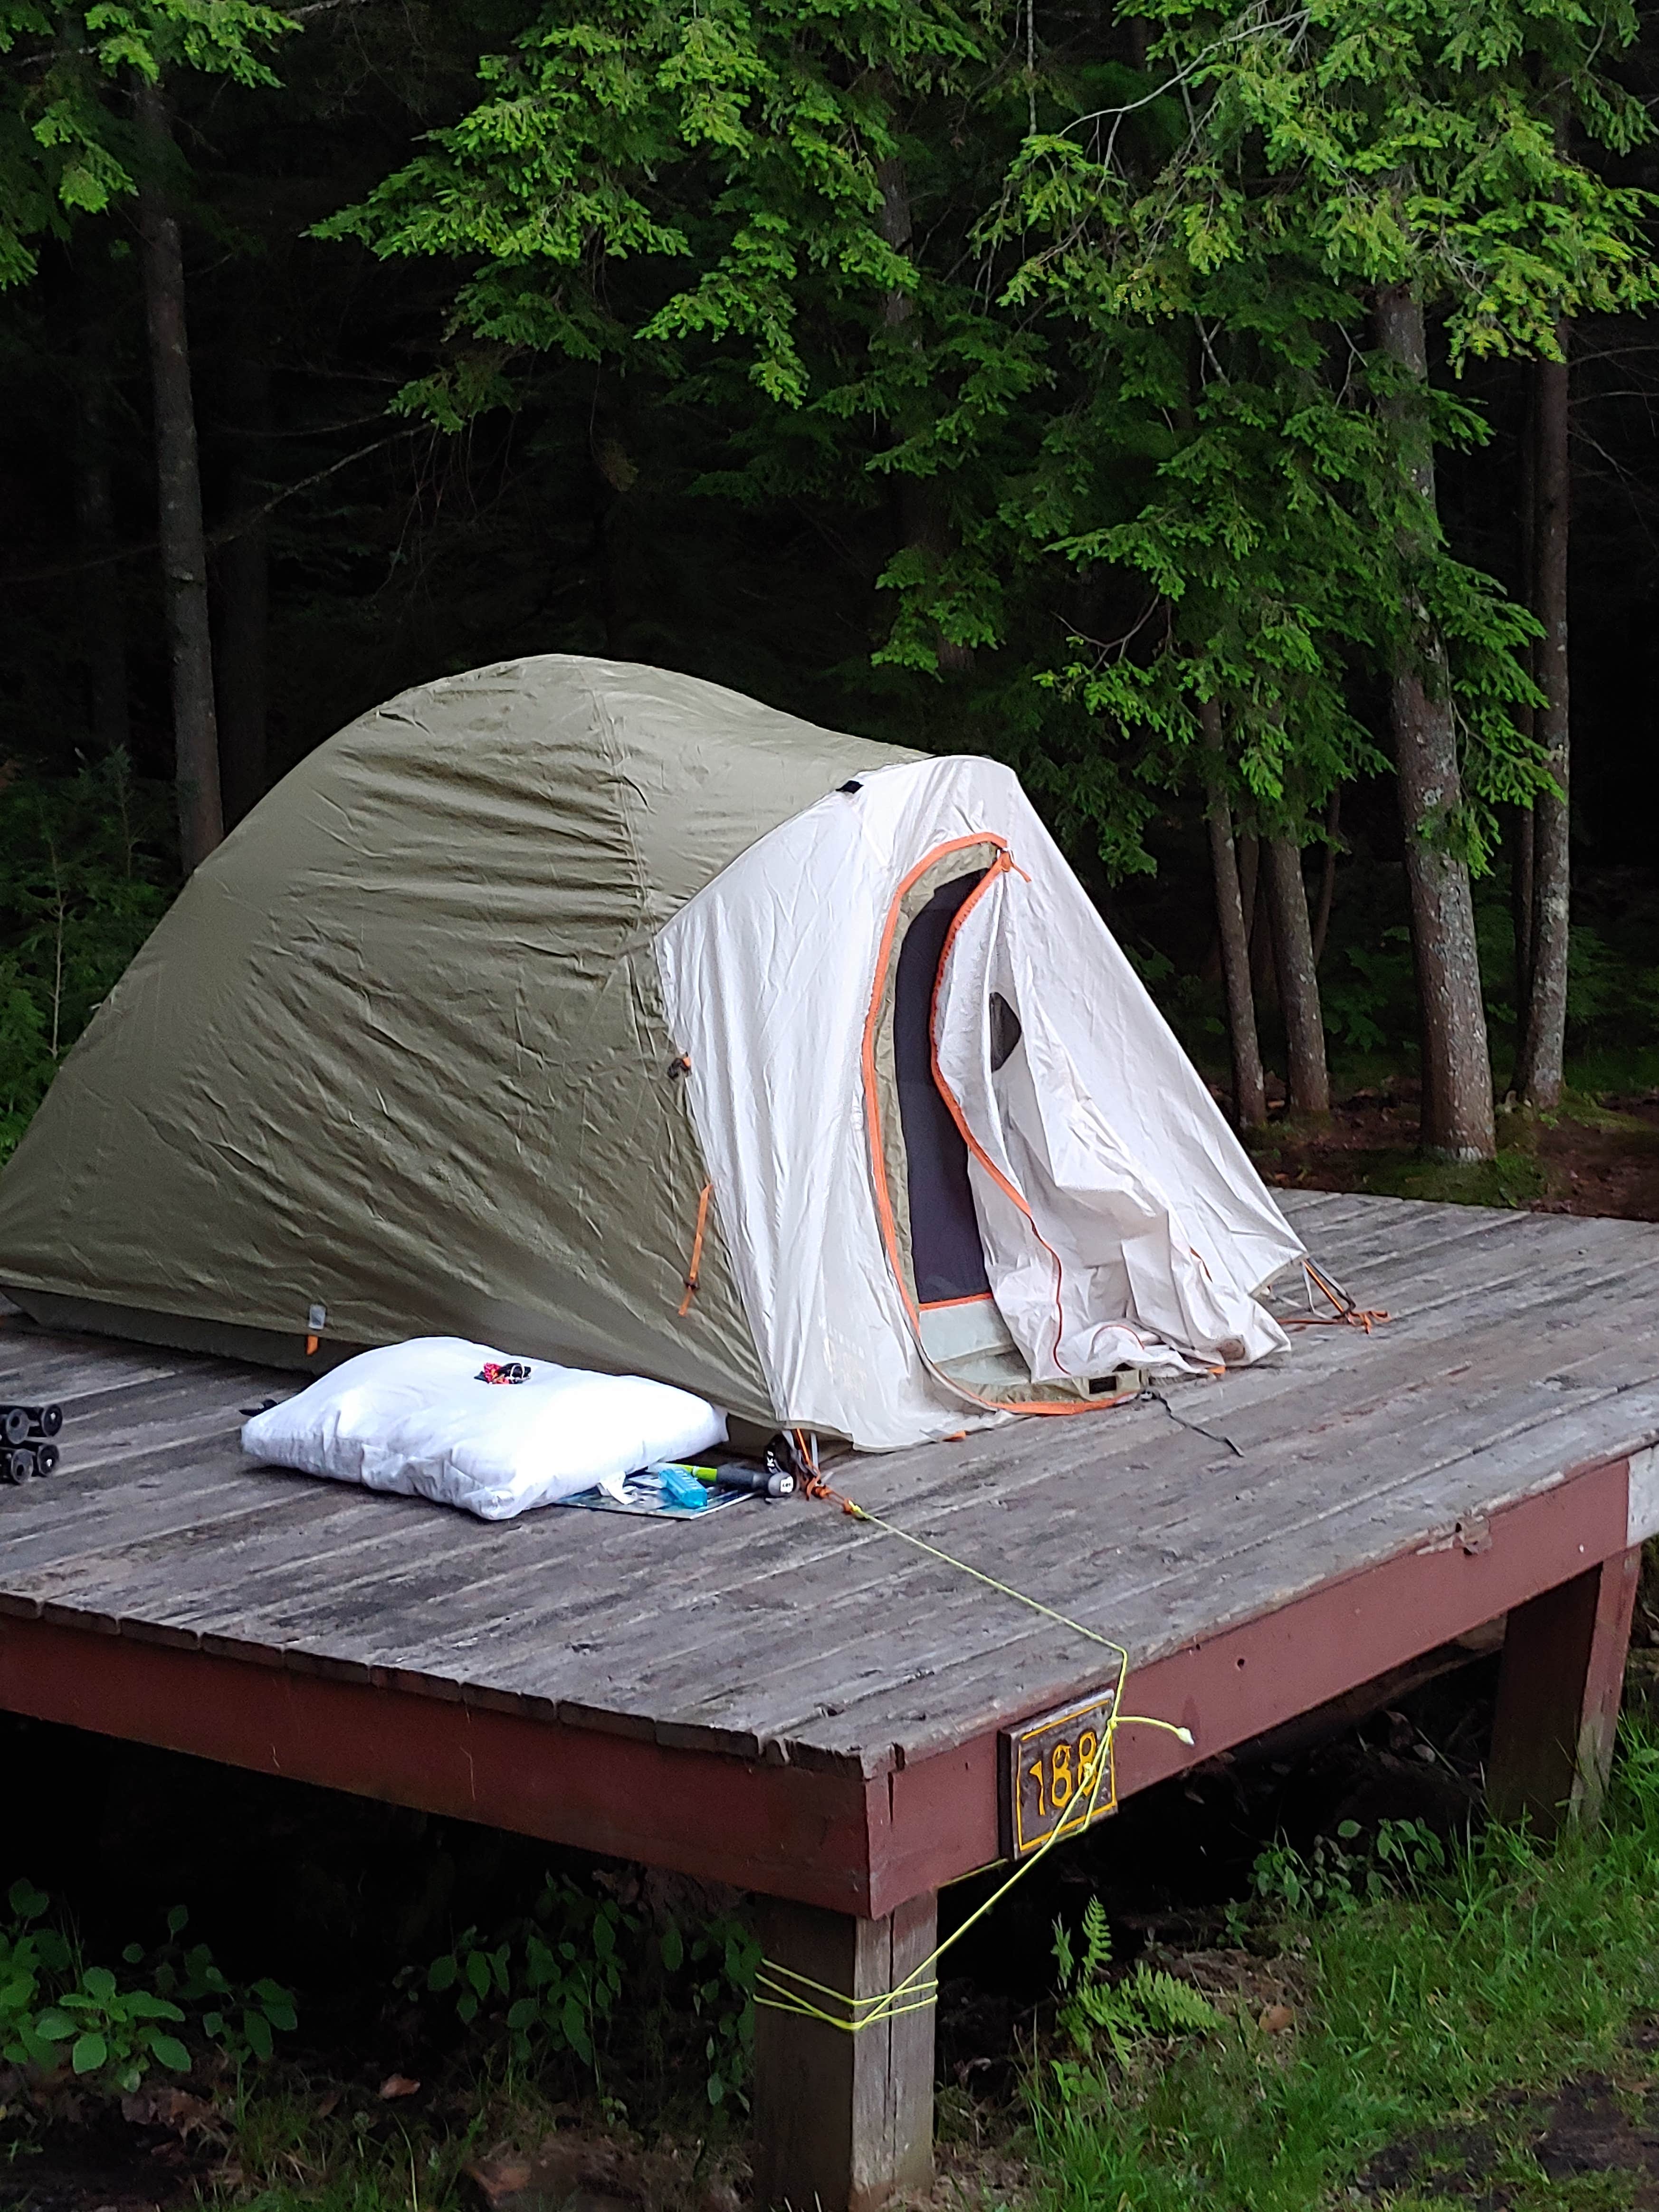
(781, 1989)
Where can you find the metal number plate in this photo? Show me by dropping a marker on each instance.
(1048, 1769)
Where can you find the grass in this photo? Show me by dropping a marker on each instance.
(1444, 2008)
(1441, 2001)
(1434, 2023)
(286, 2157)
(1514, 1178)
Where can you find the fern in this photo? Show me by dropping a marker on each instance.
(1097, 1941)
(1172, 2008)
(1065, 1961)
(1148, 2003)
(1098, 2008)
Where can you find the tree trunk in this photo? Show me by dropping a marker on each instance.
(1538, 1072)
(1252, 891)
(1322, 926)
(1264, 971)
(102, 615)
(242, 573)
(179, 484)
(1522, 845)
(1522, 838)
(1249, 1091)
(1458, 1121)
(1308, 1084)
(924, 526)
(1249, 856)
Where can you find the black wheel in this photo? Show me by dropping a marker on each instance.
(46, 1458)
(14, 1424)
(9, 1472)
(23, 1463)
(51, 1420)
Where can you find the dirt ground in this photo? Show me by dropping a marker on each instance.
(1599, 2124)
(1598, 1156)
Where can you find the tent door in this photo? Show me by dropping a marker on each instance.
(960, 1326)
(926, 1209)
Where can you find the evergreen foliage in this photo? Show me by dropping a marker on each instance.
(67, 146)
(979, 376)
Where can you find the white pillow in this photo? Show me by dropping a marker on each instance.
(418, 1418)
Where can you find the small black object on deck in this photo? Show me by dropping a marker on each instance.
(21, 1423)
(768, 1481)
(18, 1462)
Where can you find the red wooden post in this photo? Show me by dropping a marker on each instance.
(1557, 1697)
(841, 2120)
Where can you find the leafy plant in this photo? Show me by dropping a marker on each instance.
(1368, 1002)
(1145, 2003)
(112, 2030)
(723, 1958)
(1331, 1877)
(55, 2010)
(558, 1974)
(33, 1957)
(572, 1977)
(556, 1982)
(1610, 996)
(474, 1972)
(83, 882)
(243, 2022)
(1410, 1849)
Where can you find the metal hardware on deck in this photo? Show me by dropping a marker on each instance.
(20, 1424)
(18, 1462)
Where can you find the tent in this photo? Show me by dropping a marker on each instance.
(606, 1015)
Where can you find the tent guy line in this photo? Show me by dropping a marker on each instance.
(760, 1717)
(504, 989)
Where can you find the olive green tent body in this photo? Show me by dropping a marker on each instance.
(396, 1062)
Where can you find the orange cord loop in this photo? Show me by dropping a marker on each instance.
(691, 1272)
(1349, 1313)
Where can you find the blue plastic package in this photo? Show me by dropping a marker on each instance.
(683, 1487)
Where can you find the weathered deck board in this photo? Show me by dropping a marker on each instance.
(238, 1576)
(784, 1698)
(1519, 1348)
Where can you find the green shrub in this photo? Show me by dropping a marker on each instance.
(55, 2010)
(557, 1982)
(84, 878)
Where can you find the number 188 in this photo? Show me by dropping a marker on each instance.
(1068, 1771)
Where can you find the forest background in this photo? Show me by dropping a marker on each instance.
(1240, 421)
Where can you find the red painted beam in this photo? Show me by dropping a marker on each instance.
(1248, 1680)
(791, 1832)
(819, 1836)
(1242, 1682)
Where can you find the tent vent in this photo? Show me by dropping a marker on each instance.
(1004, 1031)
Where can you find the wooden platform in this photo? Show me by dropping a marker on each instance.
(783, 1699)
